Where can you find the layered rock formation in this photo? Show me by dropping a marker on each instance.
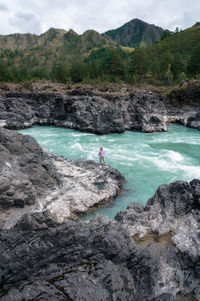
(96, 113)
(32, 180)
(108, 260)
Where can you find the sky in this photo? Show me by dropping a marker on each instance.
(37, 16)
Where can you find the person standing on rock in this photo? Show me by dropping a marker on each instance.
(101, 155)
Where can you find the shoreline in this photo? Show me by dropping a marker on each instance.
(95, 113)
(146, 253)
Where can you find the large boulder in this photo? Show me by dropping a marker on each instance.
(25, 170)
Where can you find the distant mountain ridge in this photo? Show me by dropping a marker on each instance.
(52, 46)
(51, 38)
(26, 41)
(66, 56)
(135, 33)
(132, 34)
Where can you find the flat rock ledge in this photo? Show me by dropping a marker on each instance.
(96, 113)
(147, 253)
(33, 180)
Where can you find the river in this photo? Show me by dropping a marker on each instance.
(145, 160)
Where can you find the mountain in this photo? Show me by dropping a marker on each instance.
(19, 41)
(52, 38)
(61, 46)
(55, 45)
(182, 43)
(95, 56)
(135, 33)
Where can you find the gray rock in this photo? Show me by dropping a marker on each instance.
(33, 180)
(100, 114)
(96, 113)
(146, 253)
(100, 259)
(170, 219)
(194, 121)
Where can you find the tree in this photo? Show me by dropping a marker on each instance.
(112, 63)
(4, 72)
(139, 62)
(165, 34)
(23, 73)
(77, 72)
(39, 73)
(177, 65)
(94, 69)
(194, 62)
(59, 72)
(176, 30)
(155, 68)
(165, 65)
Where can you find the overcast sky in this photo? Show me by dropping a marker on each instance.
(37, 16)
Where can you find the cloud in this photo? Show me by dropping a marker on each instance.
(38, 16)
(25, 22)
(3, 7)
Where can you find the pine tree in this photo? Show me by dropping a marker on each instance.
(165, 65)
(112, 63)
(4, 72)
(194, 62)
(77, 72)
(139, 62)
(177, 66)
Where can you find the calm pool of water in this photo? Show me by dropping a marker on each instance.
(145, 160)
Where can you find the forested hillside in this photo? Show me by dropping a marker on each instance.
(65, 56)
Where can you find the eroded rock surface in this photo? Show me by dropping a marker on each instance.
(101, 113)
(96, 113)
(171, 218)
(101, 260)
(33, 180)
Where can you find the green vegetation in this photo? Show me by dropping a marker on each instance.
(135, 33)
(67, 57)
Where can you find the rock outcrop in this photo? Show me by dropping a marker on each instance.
(98, 113)
(33, 180)
(194, 121)
(108, 260)
(171, 219)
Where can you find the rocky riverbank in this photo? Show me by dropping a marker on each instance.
(150, 253)
(33, 180)
(99, 113)
(146, 253)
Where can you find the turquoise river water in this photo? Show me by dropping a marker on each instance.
(145, 160)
